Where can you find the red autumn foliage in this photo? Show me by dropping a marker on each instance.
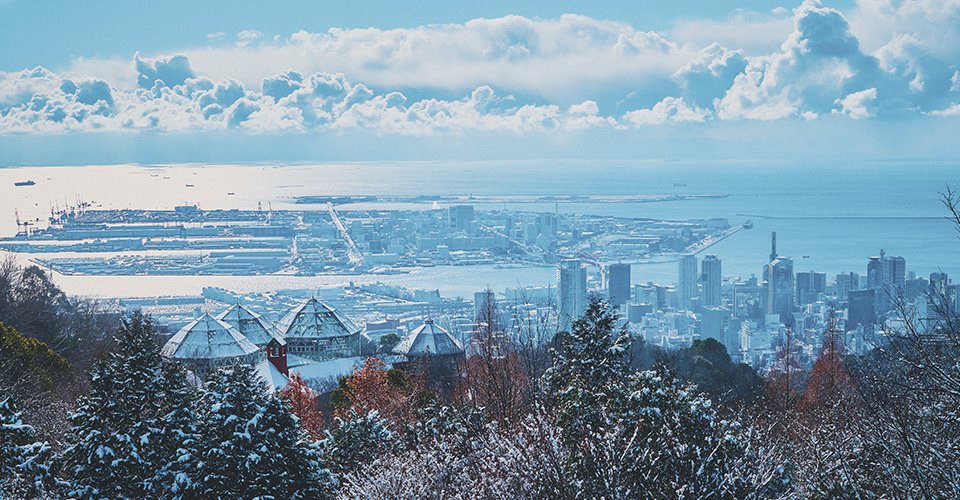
(370, 388)
(303, 403)
(831, 394)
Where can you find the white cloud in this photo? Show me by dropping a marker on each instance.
(859, 105)
(754, 33)
(671, 109)
(246, 37)
(511, 74)
(558, 59)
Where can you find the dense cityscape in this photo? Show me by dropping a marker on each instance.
(753, 317)
(518, 250)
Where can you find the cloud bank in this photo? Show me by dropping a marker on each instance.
(885, 61)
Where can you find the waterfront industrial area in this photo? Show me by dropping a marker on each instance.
(339, 240)
(357, 253)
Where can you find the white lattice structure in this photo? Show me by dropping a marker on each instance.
(251, 325)
(207, 343)
(316, 331)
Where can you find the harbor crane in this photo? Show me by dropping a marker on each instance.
(23, 227)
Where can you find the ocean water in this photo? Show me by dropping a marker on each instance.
(829, 216)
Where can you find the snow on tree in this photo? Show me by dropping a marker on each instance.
(250, 446)
(114, 429)
(356, 440)
(525, 461)
(170, 441)
(591, 351)
(303, 403)
(643, 435)
(24, 469)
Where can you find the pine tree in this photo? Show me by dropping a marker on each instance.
(24, 469)
(115, 429)
(356, 440)
(249, 444)
(591, 352)
(170, 444)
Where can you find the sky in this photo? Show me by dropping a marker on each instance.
(115, 81)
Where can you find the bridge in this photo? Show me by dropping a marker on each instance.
(353, 252)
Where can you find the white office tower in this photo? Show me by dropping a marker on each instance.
(572, 284)
(711, 279)
(687, 285)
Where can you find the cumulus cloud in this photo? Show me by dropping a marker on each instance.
(671, 109)
(512, 74)
(859, 105)
(553, 59)
(172, 71)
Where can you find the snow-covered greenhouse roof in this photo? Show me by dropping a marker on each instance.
(208, 338)
(429, 340)
(253, 326)
(315, 320)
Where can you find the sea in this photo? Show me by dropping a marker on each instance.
(829, 216)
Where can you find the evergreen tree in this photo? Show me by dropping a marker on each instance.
(591, 352)
(170, 441)
(117, 435)
(356, 440)
(24, 469)
(249, 444)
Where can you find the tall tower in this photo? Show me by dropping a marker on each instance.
(773, 246)
(572, 284)
(711, 278)
(687, 285)
(618, 283)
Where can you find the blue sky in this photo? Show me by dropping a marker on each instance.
(177, 81)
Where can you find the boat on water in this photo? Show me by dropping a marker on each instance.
(748, 224)
(24, 183)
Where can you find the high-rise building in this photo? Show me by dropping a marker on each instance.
(484, 306)
(548, 224)
(460, 216)
(773, 246)
(778, 287)
(687, 284)
(875, 271)
(847, 282)
(572, 288)
(938, 284)
(896, 272)
(809, 286)
(861, 309)
(711, 278)
(618, 283)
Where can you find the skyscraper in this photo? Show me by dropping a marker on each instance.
(618, 283)
(778, 283)
(896, 271)
(861, 309)
(460, 216)
(778, 287)
(847, 282)
(875, 272)
(711, 278)
(687, 285)
(572, 285)
(809, 286)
